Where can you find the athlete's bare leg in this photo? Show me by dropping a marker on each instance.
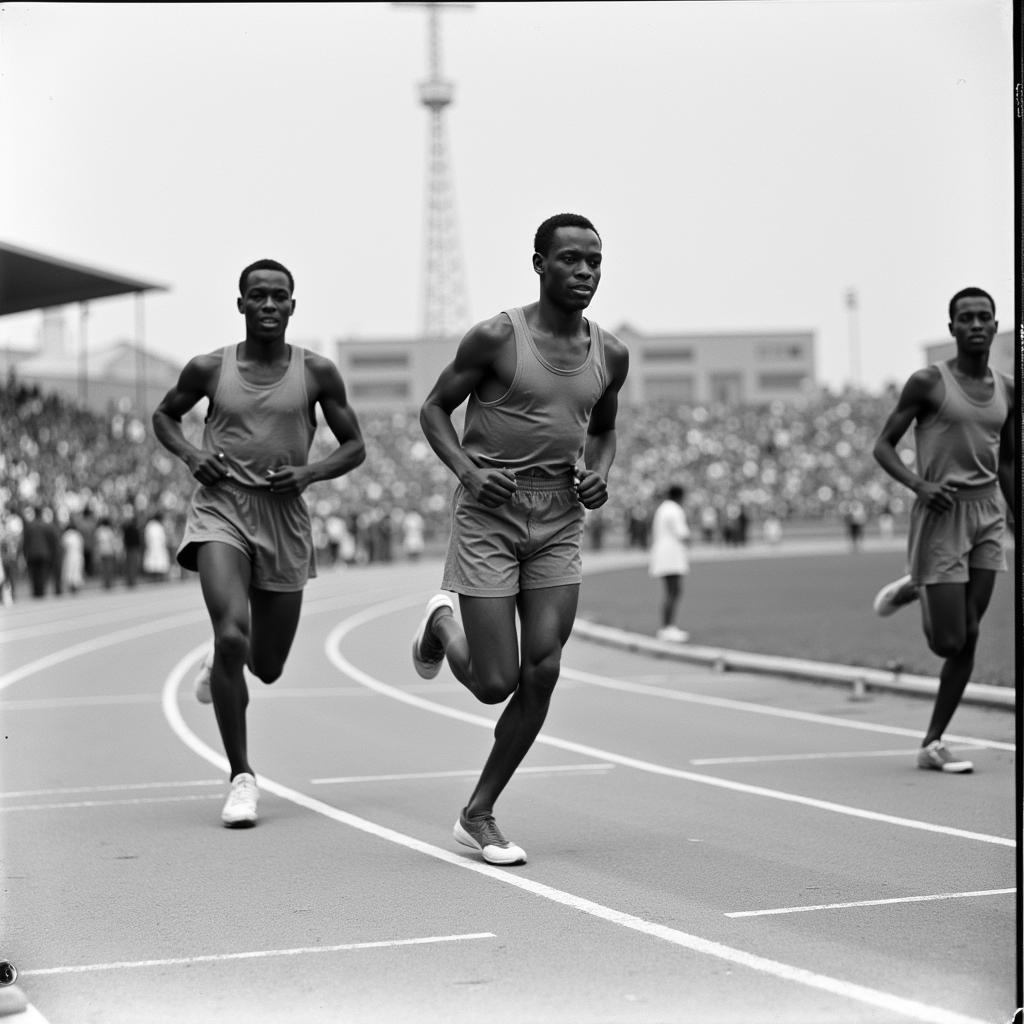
(275, 619)
(224, 575)
(952, 614)
(546, 618)
(483, 651)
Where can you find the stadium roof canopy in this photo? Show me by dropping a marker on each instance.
(31, 280)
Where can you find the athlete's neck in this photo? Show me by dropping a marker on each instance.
(555, 319)
(263, 350)
(970, 365)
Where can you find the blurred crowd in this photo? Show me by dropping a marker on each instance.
(90, 498)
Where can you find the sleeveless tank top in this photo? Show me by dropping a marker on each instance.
(259, 427)
(959, 442)
(540, 423)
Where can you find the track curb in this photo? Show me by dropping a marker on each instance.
(723, 660)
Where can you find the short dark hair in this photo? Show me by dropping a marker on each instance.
(970, 293)
(546, 232)
(676, 492)
(265, 265)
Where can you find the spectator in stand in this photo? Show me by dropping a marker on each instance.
(156, 559)
(105, 548)
(856, 518)
(412, 535)
(10, 541)
(708, 523)
(37, 551)
(131, 540)
(73, 560)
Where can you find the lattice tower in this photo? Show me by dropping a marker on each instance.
(445, 308)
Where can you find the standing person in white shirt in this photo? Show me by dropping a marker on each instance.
(72, 567)
(412, 534)
(670, 559)
(156, 559)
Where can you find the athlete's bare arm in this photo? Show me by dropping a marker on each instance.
(1007, 455)
(481, 359)
(198, 380)
(920, 396)
(599, 449)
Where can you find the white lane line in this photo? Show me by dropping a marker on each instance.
(258, 954)
(873, 903)
(461, 774)
(128, 802)
(333, 643)
(98, 644)
(833, 755)
(728, 704)
(872, 997)
(60, 703)
(116, 788)
(145, 629)
(126, 608)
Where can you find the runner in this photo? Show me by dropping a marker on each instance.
(542, 386)
(248, 531)
(962, 411)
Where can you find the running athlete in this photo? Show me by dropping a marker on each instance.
(248, 531)
(542, 386)
(963, 413)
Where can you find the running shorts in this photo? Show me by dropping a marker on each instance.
(532, 541)
(272, 530)
(944, 546)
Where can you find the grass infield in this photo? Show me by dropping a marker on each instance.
(816, 607)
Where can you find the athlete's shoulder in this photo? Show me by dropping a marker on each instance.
(616, 354)
(613, 342)
(213, 358)
(314, 360)
(322, 374)
(924, 380)
(488, 335)
(203, 368)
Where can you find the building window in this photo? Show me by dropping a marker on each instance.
(779, 351)
(780, 381)
(726, 388)
(368, 390)
(674, 388)
(660, 355)
(377, 360)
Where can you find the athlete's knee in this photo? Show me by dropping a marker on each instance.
(949, 643)
(267, 671)
(232, 643)
(495, 689)
(540, 676)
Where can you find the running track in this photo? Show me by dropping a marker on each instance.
(703, 848)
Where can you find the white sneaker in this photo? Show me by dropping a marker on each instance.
(240, 806)
(894, 596)
(673, 633)
(484, 835)
(937, 757)
(201, 683)
(427, 652)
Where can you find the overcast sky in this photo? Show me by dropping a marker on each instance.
(746, 163)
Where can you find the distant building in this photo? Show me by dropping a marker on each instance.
(120, 376)
(1002, 355)
(730, 367)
